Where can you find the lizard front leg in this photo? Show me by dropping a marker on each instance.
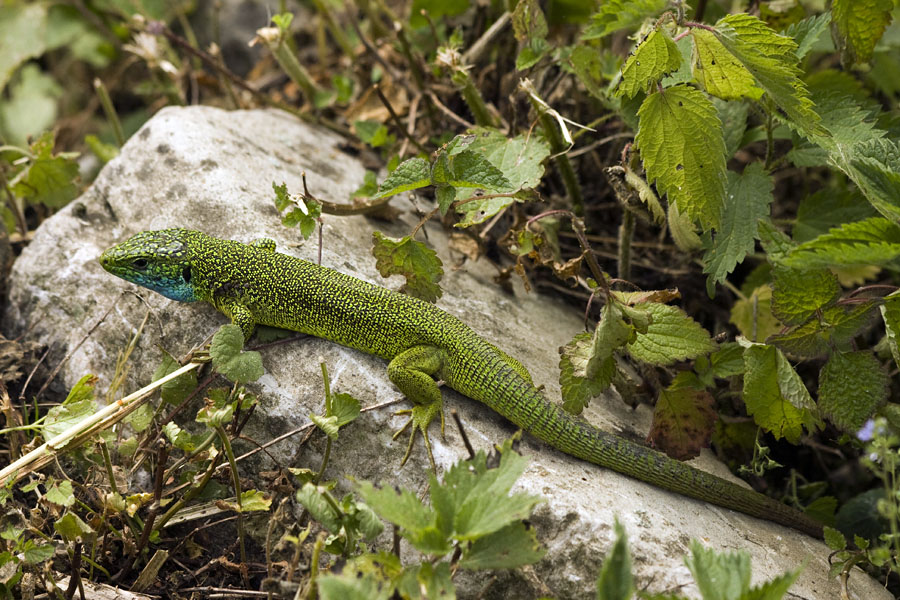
(412, 371)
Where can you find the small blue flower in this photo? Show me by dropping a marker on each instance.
(867, 432)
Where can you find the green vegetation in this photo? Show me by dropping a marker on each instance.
(633, 153)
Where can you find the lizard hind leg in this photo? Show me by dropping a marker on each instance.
(413, 371)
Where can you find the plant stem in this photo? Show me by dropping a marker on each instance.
(110, 111)
(626, 232)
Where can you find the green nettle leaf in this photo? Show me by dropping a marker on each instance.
(418, 523)
(576, 388)
(834, 539)
(683, 419)
(734, 123)
(874, 166)
(513, 546)
(772, 61)
(655, 56)
(519, 159)
(588, 66)
(612, 333)
(409, 175)
(229, 360)
(530, 27)
(719, 72)
(614, 15)
(746, 202)
(828, 208)
(671, 336)
(775, 395)
(418, 263)
(719, 576)
(616, 580)
(774, 589)
(345, 408)
(857, 27)
(49, 179)
(873, 241)
(807, 32)
(798, 293)
(851, 386)
(683, 151)
(836, 328)
(890, 313)
(425, 581)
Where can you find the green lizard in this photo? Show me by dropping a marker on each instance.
(252, 284)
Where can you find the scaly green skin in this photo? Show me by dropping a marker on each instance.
(253, 284)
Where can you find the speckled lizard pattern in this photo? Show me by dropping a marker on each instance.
(252, 284)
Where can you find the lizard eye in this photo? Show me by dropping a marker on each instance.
(139, 264)
(186, 274)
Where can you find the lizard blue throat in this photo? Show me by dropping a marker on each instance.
(156, 260)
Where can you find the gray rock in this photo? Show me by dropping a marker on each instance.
(212, 170)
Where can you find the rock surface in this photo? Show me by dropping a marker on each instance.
(213, 170)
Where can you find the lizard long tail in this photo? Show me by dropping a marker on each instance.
(521, 403)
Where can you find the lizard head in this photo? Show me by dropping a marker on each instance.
(157, 260)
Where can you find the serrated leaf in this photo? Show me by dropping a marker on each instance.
(874, 166)
(857, 26)
(671, 336)
(415, 261)
(835, 329)
(615, 581)
(519, 159)
(612, 333)
(682, 230)
(772, 61)
(509, 548)
(797, 294)
(469, 169)
(654, 57)
(851, 386)
(807, 32)
(683, 419)
(746, 202)
(478, 210)
(49, 180)
(825, 209)
(229, 360)
(773, 589)
(683, 151)
(734, 123)
(404, 509)
(588, 66)
(775, 395)
(719, 576)
(728, 360)
(890, 313)
(176, 390)
(871, 241)
(578, 390)
(834, 539)
(61, 418)
(251, 501)
(71, 527)
(409, 175)
(614, 15)
(638, 298)
(718, 71)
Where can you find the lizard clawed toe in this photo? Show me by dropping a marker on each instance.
(420, 417)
